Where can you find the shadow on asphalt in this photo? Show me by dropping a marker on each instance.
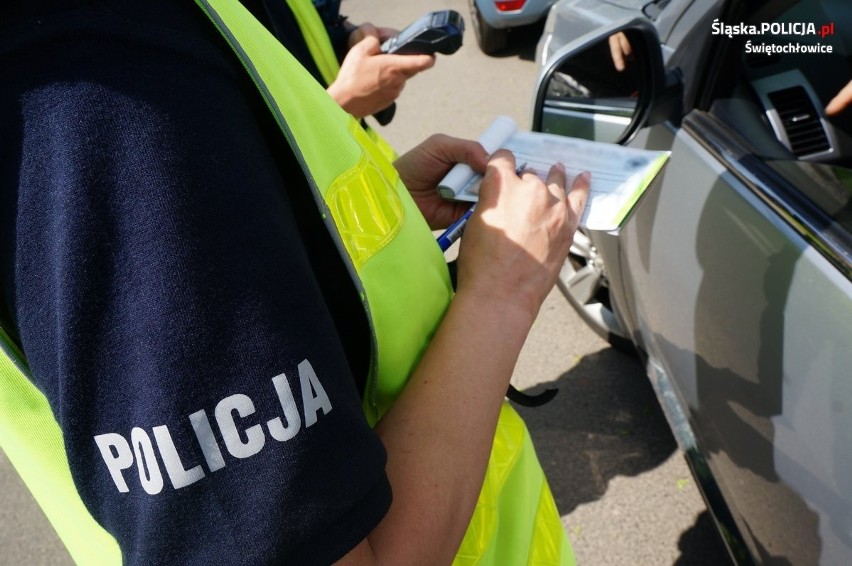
(606, 422)
(522, 42)
(697, 543)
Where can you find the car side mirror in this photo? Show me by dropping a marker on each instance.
(603, 86)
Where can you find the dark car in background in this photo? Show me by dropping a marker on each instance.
(732, 277)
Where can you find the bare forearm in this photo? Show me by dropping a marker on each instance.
(439, 432)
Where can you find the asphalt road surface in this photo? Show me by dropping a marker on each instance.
(622, 486)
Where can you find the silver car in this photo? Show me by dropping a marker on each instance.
(492, 19)
(732, 277)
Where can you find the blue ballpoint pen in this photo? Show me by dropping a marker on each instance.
(454, 232)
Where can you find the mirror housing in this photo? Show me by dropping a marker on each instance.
(594, 89)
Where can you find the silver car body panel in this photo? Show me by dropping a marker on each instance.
(749, 324)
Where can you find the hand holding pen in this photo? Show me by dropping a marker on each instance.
(454, 232)
(523, 231)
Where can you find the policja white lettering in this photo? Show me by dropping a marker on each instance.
(291, 413)
(207, 441)
(149, 470)
(117, 455)
(311, 403)
(120, 455)
(244, 407)
(178, 475)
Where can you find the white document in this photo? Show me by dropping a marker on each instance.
(619, 174)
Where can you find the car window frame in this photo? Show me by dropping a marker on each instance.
(829, 238)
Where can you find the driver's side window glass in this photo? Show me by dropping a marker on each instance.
(775, 90)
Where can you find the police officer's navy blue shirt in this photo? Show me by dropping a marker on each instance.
(154, 265)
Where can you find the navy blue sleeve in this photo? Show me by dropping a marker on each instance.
(166, 302)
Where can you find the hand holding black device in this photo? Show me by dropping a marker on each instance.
(435, 32)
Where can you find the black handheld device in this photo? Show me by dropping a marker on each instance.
(435, 32)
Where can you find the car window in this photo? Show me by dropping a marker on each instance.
(827, 187)
(796, 64)
(782, 62)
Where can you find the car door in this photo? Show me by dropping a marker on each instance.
(735, 277)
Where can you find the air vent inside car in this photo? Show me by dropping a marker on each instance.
(800, 121)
